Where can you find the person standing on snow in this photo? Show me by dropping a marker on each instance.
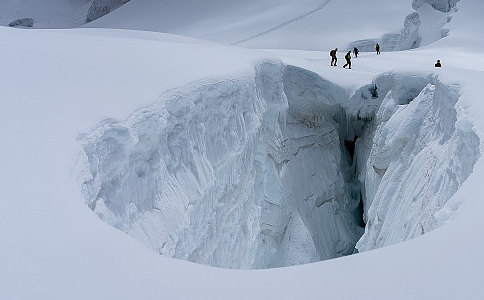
(348, 60)
(334, 59)
(438, 64)
(356, 51)
(377, 48)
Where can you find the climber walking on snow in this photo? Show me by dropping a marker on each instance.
(348, 60)
(356, 51)
(334, 59)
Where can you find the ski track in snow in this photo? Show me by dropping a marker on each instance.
(293, 20)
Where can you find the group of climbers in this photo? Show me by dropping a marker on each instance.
(334, 59)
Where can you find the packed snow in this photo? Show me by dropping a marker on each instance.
(218, 133)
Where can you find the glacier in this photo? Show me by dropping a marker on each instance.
(280, 166)
(58, 84)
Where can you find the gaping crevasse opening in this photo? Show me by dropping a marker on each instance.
(280, 168)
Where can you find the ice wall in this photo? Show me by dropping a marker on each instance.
(414, 157)
(319, 181)
(224, 174)
(183, 176)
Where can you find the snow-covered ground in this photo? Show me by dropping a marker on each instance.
(233, 157)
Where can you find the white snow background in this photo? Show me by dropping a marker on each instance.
(194, 101)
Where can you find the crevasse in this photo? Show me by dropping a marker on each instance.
(256, 172)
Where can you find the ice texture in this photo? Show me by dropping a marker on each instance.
(227, 175)
(413, 160)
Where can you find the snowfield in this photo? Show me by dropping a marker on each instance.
(218, 134)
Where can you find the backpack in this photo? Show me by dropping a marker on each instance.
(332, 53)
(348, 56)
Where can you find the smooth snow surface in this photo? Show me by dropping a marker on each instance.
(193, 148)
(305, 24)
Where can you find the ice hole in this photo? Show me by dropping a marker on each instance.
(280, 169)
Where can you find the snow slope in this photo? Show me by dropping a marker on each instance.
(79, 84)
(307, 24)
